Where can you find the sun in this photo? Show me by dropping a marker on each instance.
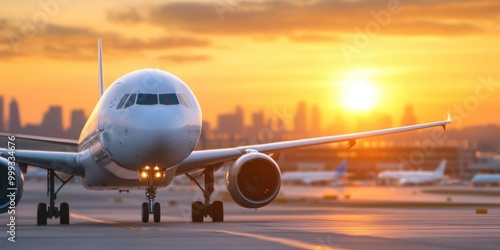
(358, 93)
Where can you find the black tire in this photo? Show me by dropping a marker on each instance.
(157, 212)
(41, 214)
(217, 211)
(197, 211)
(64, 214)
(145, 212)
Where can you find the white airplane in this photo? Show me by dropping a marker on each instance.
(486, 179)
(315, 177)
(141, 134)
(411, 177)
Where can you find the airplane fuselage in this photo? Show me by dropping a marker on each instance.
(145, 118)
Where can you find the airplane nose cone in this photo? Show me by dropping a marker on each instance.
(158, 131)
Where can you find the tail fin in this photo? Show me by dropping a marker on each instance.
(101, 77)
(440, 169)
(341, 169)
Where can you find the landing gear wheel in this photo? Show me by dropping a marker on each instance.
(41, 215)
(64, 214)
(145, 212)
(157, 212)
(217, 211)
(197, 211)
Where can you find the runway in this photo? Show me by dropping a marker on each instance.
(108, 220)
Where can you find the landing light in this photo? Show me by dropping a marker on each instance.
(151, 174)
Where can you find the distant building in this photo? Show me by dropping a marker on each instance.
(258, 121)
(52, 123)
(315, 121)
(78, 120)
(231, 124)
(2, 122)
(409, 117)
(300, 122)
(14, 120)
(364, 163)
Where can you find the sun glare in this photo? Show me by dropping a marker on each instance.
(358, 93)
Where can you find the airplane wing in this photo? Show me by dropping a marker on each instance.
(204, 158)
(40, 143)
(57, 154)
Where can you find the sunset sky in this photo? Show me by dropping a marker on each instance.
(263, 55)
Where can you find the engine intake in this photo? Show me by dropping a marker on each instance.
(254, 180)
(6, 189)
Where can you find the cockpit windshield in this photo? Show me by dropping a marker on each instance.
(149, 99)
(130, 101)
(169, 99)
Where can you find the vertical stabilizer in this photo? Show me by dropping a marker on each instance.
(101, 77)
(440, 170)
(341, 169)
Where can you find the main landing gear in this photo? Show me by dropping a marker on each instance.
(44, 212)
(200, 210)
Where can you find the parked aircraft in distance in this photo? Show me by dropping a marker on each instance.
(141, 134)
(315, 177)
(486, 179)
(411, 177)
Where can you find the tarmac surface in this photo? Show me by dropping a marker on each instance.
(109, 220)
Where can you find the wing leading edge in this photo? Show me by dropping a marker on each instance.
(44, 152)
(204, 158)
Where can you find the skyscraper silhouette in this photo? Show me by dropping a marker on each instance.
(315, 121)
(77, 122)
(2, 128)
(409, 117)
(231, 123)
(301, 119)
(14, 120)
(52, 122)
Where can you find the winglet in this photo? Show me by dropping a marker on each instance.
(448, 121)
(99, 55)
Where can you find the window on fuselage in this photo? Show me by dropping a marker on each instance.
(122, 101)
(147, 99)
(130, 101)
(169, 99)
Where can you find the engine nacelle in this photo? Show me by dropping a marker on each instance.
(254, 180)
(11, 185)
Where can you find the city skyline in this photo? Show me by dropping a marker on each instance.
(50, 126)
(305, 120)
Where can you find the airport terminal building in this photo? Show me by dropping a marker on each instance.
(367, 160)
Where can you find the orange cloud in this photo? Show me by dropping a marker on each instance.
(185, 58)
(68, 42)
(283, 18)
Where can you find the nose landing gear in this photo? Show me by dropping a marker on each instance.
(151, 207)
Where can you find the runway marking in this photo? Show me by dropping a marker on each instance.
(113, 223)
(282, 241)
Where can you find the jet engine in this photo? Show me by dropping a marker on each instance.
(11, 185)
(254, 180)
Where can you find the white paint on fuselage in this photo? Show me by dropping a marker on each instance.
(120, 141)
